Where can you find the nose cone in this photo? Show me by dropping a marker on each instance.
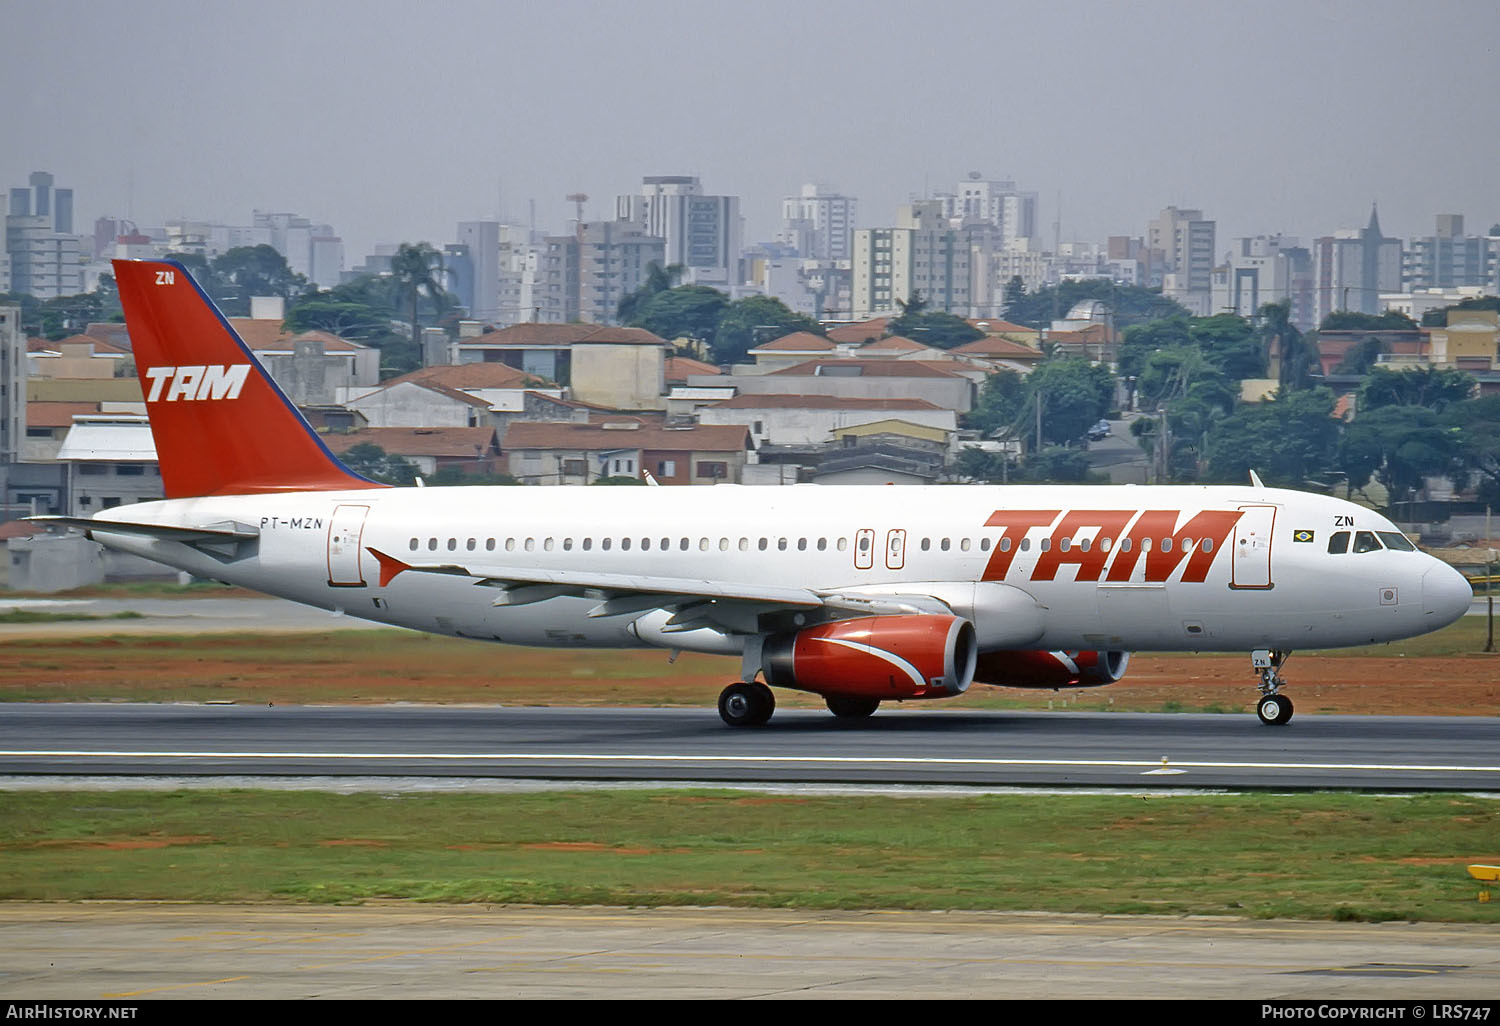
(1445, 594)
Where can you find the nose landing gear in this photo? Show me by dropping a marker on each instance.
(1274, 708)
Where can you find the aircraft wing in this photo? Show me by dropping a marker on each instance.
(696, 602)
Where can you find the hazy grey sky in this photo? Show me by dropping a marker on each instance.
(392, 121)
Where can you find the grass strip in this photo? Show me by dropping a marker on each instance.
(1318, 856)
(40, 616)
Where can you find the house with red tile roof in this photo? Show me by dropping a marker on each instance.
(619, 446)
(602, 364)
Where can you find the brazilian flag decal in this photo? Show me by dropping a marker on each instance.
(1302, 536)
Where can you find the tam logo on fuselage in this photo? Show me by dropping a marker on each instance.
(214, 381)
(1134, 537)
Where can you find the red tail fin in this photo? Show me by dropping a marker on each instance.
(221, 425)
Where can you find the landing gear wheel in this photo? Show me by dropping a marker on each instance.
(847, 707)
(1274, 710)
(746, 704)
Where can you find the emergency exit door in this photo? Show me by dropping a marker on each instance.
(344, 534)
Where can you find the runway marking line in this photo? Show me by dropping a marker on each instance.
(175, 986)
(749, 760)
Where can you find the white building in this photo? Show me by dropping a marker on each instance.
(46, 259)
(1265, 269)
(819, 223)
(702, 233)
(994, 201)
(1181, 242)
(1352, 267)
(921, 255)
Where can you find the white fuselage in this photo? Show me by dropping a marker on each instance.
(1270, 582)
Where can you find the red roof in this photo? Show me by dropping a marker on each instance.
(523, 434)
(262, 333)
(869, 368)
(797, 342)
(470, 375)
(825, 402)
(994, 326)
(859, 331)
(464, 442)
(533, 335)
(50, 414)
(993, 345)
(894, 344)
(679, 367)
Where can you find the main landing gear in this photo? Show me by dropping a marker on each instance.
(746, 704)
(846, 707)
(1274, 708)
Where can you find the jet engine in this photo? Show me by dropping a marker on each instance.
(880, 657)
(1051, 669)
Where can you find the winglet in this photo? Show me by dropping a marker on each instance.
(1255, 480)
(390, 566)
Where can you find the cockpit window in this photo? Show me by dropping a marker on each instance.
(1338, 543)
(1365, 541)
(1396, 540)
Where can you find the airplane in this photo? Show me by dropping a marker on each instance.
(861, 594)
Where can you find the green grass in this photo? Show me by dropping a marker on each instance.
(38, 616)
(1320, 856)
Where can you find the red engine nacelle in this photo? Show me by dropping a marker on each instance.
(1051, 669)
(916, 656)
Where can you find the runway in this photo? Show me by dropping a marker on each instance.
(129, 952)
(895, 747)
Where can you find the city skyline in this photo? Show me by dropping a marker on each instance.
(392, 129)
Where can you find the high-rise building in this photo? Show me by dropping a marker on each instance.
(1352, 267)
(1182, 243)
(1446, 259)
(993, 201)
(819, 223)
(920, 255)
(1266, 269)
(583, 277)
(702, 233)
(314, 251)
(46, 259)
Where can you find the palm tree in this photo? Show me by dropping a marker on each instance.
(659, 279)
(418, 269)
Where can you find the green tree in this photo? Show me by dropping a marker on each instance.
(1057, 463)
(1074, 395)
(691, 311)
(1432, 387)
(245, 271)
(1477, 422)
(1002, 401)
(1230, 344)
(932, 327)
(753, 321)
(1401, 446)
(1361, 357)
(418, 271)
(1291, 441)
(1129, 304)
(1014, 298)
(1295, 355)
(1353, 320)
(658, 279)
(370, 460)
(62, 316)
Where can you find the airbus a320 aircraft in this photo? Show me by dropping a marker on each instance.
(858, 594)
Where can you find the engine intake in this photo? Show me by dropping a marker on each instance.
(1051, 669)
(885, 657)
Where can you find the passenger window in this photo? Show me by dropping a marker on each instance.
(1207, 544)
(685, 543)
(801, 544)
(744, 544)
(472, 544)
(510, 545)
(530, 544)
(489, 545)
(943, 545)
(567, 544)
(781, 544)
(822, 544)
(1365, 541)
(762, 545)
(1396, 540)
(1166, 544)
(1004, 544)
(452, 544)
(625, 544)
(666, 544)
(588, 543)
(1046, 544)
(1338, 543)
(984, 545)
(723, 544)
(414, 545)
(547, 544)
(926, 544)
(1065, 544)
(1025, 544)
(605, 543)
(1126, 544)
(843, 544)
(645, 544)
(1086, 544)
(964, 544)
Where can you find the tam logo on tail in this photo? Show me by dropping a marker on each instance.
(214, 381)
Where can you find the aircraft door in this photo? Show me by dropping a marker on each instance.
(1251, 567)
(344, 533)
(864, 549)
(895, 549)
